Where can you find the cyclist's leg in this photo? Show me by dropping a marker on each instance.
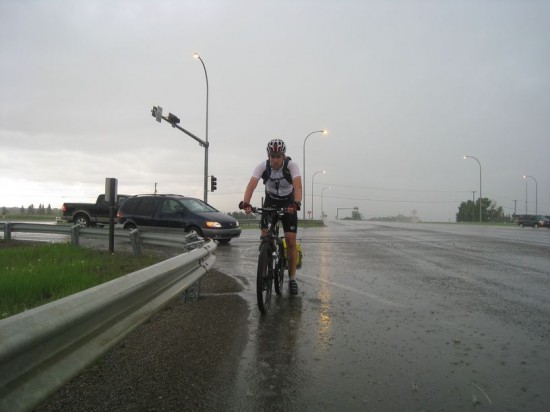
(290, 226)
(290, 238)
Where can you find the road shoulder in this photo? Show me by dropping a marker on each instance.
(180, 359)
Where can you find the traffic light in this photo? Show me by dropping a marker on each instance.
(213, 183)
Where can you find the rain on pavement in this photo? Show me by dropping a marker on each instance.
(400, 317)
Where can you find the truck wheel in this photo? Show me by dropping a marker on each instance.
(224, 241)
(81, 220)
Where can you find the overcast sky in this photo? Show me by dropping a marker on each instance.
(405, 89)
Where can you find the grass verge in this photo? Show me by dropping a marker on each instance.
(32, 274)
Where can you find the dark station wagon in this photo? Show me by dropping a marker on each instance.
(532, 220)
(165, 212)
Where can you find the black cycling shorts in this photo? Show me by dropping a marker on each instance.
(290, 221)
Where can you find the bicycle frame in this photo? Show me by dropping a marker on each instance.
(271, 262)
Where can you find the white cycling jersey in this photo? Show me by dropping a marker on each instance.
(277, 186)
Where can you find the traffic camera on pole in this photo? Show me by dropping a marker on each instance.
(157, 112)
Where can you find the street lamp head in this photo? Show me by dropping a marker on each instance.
(325, 131)
(196, 55)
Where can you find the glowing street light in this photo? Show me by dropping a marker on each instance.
(324, 131)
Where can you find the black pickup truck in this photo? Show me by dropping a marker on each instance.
(90, 214)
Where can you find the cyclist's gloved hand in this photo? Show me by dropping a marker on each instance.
(293, 207)
(246, 206)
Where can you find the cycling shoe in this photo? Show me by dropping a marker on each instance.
(293, 287)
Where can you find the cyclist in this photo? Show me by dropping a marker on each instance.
(283, 189)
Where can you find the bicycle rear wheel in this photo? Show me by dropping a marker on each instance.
(264, 278)
(279, 275)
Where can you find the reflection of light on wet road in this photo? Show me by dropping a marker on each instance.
(324, 296)
(351, 289)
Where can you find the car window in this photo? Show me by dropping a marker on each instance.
(196, 205)
(145, 206)
(171, 206)
(121, 200)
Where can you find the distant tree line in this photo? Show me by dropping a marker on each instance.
(241, 216)
(355, 215)
(490, 212)
(468, 211)
(399, 218)
(30, 210)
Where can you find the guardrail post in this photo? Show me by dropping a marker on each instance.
(193, 292)
(136, 242)
(7, 231)
(75, 235)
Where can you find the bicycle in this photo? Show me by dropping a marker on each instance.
(271, 260)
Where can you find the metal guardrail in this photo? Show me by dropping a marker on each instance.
(43, 348)
(136, 238)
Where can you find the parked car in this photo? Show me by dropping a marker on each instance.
(167, 212)
(532, 220)
(90, 214)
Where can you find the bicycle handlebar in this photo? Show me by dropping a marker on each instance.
(279, 211)
(257, 210)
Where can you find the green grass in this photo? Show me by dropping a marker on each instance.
(32, 274)
(28, 218)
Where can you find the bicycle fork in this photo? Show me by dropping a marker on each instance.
(274, 258)
(276, 255)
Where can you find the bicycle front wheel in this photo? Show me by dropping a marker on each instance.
(264, 278)
(279, 275)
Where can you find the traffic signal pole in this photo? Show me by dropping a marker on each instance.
(156, 111)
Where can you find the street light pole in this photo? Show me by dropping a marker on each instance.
(322, 208)
(526, 209)
(480, 196)
(312, 177)
(197, 56)
(536, 194)
(473, 203)
(324, 131)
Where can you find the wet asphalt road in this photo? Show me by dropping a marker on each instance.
(394, 317)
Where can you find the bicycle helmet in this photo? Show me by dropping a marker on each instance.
(276, 146)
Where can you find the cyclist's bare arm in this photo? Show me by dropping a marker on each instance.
(252, 184)
(297, 183)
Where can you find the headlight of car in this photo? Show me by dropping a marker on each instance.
(213, 224)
